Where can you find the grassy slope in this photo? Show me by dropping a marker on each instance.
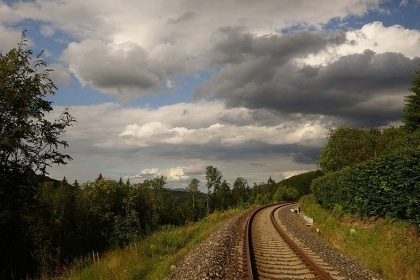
(151, 257)
(387, 246)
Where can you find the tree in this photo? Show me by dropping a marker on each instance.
(54, 226)
(99, 178)
(29, 144)
(348, 146)
(240, 191)
(193, 190)
(222, 196)
(411, 116)
(28, 140)
(214, 178)
(76, 184)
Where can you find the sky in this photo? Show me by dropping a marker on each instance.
(251, 87)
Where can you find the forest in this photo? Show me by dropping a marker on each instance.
(45, 224)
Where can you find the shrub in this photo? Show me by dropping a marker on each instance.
(388, 186)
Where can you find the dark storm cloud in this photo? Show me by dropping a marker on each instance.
(252, 149)
(237, 47)
(366, 89)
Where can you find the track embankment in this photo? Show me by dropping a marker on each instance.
(223, 254)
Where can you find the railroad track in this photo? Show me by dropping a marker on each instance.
(272, 254)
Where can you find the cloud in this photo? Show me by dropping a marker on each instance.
(269, 72)
(373, 36)
(145, 174)
(272, 94)
(133, 139)
(172, 174)
(125, 70)
(132, 49)
(80, 19)
(113, 68)
(220, 134)
(9, 39)
(235, 46)
(376, 37)
(403, 3)
(59, 75)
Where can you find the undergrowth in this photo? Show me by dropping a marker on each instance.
(151, 257)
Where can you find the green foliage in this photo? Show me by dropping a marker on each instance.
(291, 189)
(388, 186)
(347, 147)
(286, 194)
(388, 246)
(29, 143)
(411, 116)
(56, 210)
(192, 190)
(28, 140)
(152, 256)
(74, 220)
(240, 191)
(222, 197)
(301, 182)
(214, 179)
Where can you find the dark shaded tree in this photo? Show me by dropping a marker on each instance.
(214, 178)
(411, 115)
(29, 144)
(240, 191)
(222, 196)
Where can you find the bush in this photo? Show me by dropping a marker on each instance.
(388, 186)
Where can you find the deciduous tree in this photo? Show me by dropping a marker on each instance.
(29, 144)
(348, 146)
(193, 190)
(240, 191)
(214, 178)
(412, 106)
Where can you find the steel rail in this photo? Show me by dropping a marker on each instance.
(320, 272)
(251, 271)
(248, 240)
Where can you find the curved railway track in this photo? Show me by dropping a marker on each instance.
(272, 254)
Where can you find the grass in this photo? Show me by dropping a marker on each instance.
(388, 246)
(151, 257)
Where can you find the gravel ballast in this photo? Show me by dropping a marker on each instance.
(221, 255)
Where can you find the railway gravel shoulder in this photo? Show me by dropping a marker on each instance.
(218, 257)
(221, 255)
(347, 267)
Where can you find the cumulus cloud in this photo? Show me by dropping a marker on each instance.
(222, 134)
(9, 38)
(235, 46)
(145, 174)
(376, 37)
(113, 68)
(171, 174)
(141, 138)
(132, 49)
(81, 19)
(59, 75)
